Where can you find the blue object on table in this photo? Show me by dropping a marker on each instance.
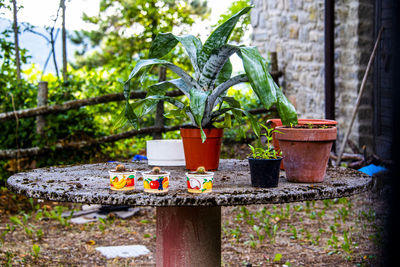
(139, 158)
(371, 169)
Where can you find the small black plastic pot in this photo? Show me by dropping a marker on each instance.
(264, 172)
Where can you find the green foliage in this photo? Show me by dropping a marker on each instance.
(212, 72)
(35, 251)
(267, 152)
(125, 28)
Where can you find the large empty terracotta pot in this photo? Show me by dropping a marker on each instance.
(202, 154)
(306, 152)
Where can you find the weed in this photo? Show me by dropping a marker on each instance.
(56, 214)
(236, 233)
(35, 251)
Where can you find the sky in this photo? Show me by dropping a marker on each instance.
(41, 12)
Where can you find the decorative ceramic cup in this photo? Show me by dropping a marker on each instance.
(122, 180)
(156, 183)
(199, 183)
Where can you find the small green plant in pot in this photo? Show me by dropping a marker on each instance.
(206, 89)
(264, 162)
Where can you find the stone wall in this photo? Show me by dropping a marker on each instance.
(295, 30)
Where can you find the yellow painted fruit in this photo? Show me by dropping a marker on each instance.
(146, 184)
(165, 184)
(120, 184)
(207, 185)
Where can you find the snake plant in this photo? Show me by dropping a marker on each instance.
(206, 89)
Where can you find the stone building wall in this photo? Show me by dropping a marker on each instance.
(295, 30)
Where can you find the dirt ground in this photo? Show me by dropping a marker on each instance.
(341, 232)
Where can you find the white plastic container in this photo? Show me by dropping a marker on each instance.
(168, 152)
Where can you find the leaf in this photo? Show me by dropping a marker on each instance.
(198, 101)
(162, 45)
(193, 47)
(233, 103)
(175, 114)
(286, 110)
(214, 65)
(224, 74)
(143, 63)
(162, 87)
(261, 81)
(227, 121)
(197, 104)
(278, 257)
(15, 220)
(91, 242)
(131, 116)
(165, 42)
(219, 37)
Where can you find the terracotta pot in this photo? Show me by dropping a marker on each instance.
(202, 154)
(277, 122)
(306, 152)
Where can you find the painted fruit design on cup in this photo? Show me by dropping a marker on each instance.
(156, 181)
(122, 178)
(199, 183)
(122, 181)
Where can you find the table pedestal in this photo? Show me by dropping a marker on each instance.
(188, 236)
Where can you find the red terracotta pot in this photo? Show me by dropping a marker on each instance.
(277, 122)
(306, 152)
(201, 154)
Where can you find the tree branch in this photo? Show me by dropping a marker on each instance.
(74, 104)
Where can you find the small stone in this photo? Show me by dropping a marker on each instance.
(293, 31)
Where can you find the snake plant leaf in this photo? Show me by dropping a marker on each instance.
(197, 104)
(161, 87)
(261, 81)
(143, 63)
(165, 42)
(214, 65)
(286, 110)
(168, 99)
(131, 116)
(224, 74)
(162, 45)
(233, 103)
(193, 47)
(221, 89)
(198, 101)
(219, 37)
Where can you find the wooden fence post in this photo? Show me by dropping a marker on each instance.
(275, 72)
(159, 118)
(274, 62)
(41, 101)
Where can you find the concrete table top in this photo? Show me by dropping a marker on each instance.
(90, 184)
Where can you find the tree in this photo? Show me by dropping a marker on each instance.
(126, 28)
(64, 42)
(15, 28)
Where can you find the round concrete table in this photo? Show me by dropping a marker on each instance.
(188, 225)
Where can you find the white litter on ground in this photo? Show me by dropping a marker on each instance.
(123, 251)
